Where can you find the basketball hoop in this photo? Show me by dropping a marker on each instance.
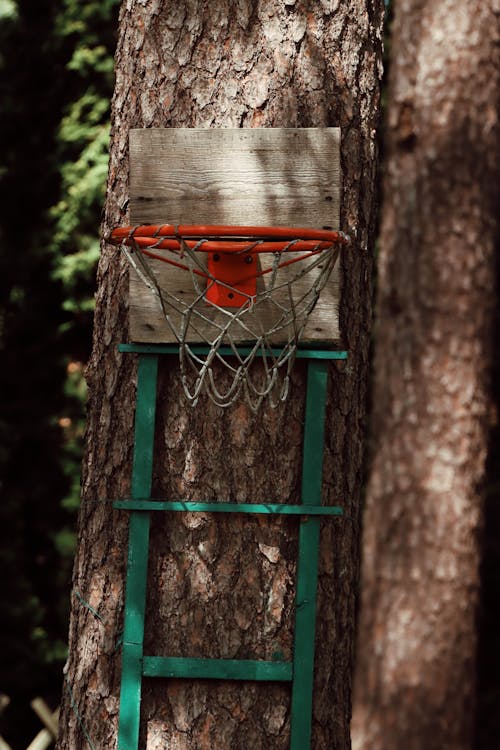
(252, 290)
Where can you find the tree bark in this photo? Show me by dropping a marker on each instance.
(225, 587)
(416, 655)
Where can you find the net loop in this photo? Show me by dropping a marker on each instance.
(238, 315)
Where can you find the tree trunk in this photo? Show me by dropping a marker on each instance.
(223, 587)
(415, 667)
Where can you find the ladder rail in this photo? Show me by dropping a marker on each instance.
(138, 553)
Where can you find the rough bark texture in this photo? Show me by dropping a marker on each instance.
(224, 587)
(415, 671)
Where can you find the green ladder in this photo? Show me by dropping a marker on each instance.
(299, 671)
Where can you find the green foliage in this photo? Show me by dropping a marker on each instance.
(75, 244)
(56, 79)
(82, 147)
(82, 139)
(90, 22)
(8, 9)
(92, 60)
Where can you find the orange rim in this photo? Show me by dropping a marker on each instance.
(227, 242)
(228, 239)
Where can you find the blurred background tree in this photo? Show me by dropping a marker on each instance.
(56, 80)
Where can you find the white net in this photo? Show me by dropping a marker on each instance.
(246, 350)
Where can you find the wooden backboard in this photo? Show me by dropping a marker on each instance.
(264, 177)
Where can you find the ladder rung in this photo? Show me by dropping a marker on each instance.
(194, 507)
(217, 669)
(302, 353)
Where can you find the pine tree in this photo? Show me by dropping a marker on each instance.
(205, 64)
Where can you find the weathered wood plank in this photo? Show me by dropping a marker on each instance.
(271, 176)
(268, 176)
(46, 716)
